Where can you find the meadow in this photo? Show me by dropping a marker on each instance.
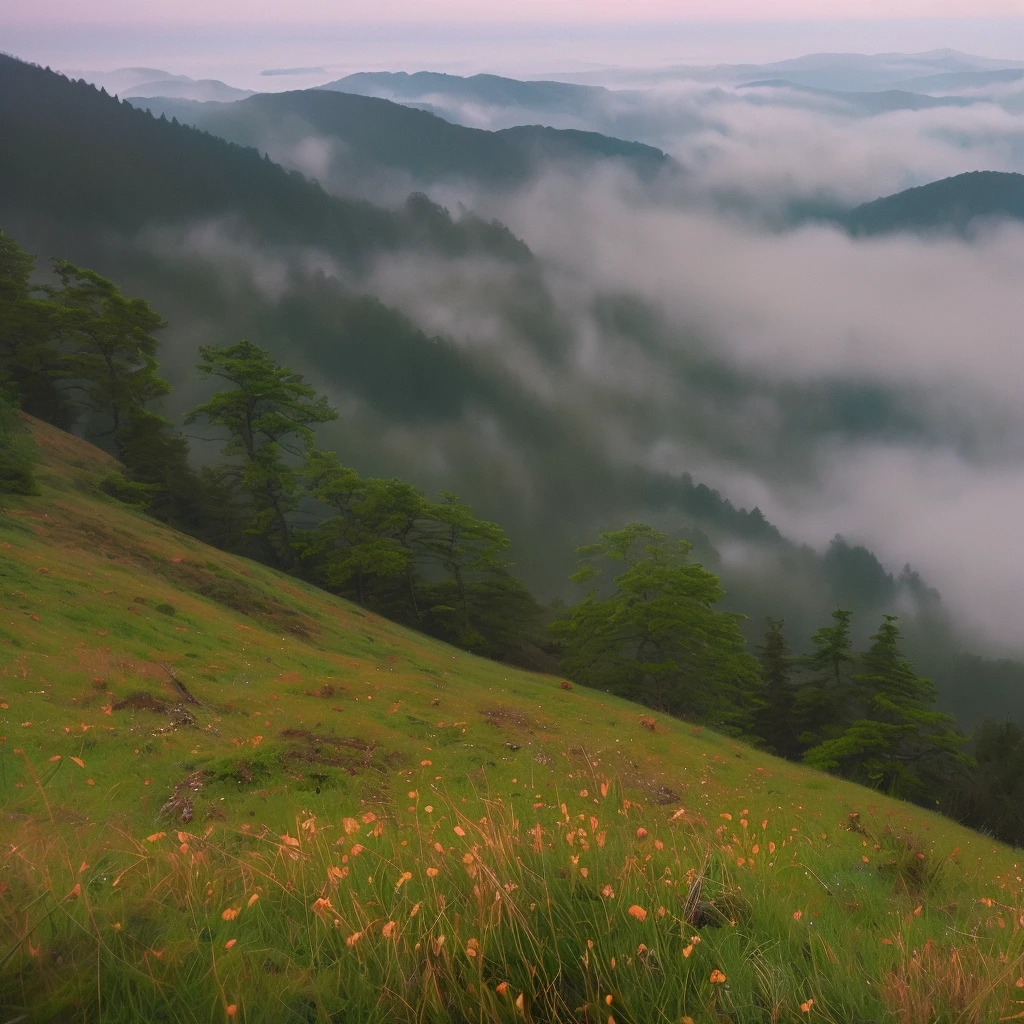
(200, 824)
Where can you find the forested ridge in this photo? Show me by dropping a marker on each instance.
(376, 132)
(83, 356)
(131, 170)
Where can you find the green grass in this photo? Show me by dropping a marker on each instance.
(479, 833)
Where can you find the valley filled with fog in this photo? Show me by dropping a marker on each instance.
(834, 381)
(643, 295)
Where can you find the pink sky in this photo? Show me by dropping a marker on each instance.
(354, 11)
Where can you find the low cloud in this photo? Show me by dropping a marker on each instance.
(868, 387)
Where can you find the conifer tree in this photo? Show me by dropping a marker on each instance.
(17, 454)
(898, 745)
(822, 705)
(774, 722)
(30, 358)
(109, 352)
(656, 637)
(267, 413)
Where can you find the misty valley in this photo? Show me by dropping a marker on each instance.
(625, 464)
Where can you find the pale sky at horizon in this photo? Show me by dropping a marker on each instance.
(235, 39)
(131, 12)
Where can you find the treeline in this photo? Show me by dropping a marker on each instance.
(80, 355)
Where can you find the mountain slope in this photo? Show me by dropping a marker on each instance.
(488, 89)
(883, 102)
(225, 789)
(209, 90)
(130, 170)
(952, 204)
(963, 80)
(379, 133)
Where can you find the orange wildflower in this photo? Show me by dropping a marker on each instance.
(638, 912)
(389, 929)
(353, 939)
(432, 872)
(717, 977)
(459, 830)
(230, 913)
(806, 1007)
(608, 892)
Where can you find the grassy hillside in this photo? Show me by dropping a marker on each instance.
(227, 795)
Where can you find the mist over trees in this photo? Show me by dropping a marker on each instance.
(648, 629)
(316, 282)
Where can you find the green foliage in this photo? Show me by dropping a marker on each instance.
(266, 414)
(128, 492)
(77, 348)
(991, 798)
(433, 565)
(109, 352)
(30, 358)
(896, 744)
(774, 722)
(656, 638)
(17, 455)
(822, 704)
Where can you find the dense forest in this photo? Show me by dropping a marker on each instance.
(81, 355)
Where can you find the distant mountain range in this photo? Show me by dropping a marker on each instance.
(492, 89)
(485, 100)
(228, 244)
(953, 204)
(130, 169)
(373, 133)
(963, 80)
(847, 72)
(883, 102)
(126, 82)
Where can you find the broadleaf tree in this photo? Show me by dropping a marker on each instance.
(652, 632)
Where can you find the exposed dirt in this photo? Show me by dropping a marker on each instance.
(348, 753)
(180, 804)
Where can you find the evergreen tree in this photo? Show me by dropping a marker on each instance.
(774, 722)
(109, 352)
(30, 357)
(991, 798)
(267, 414)
(17, 454)
(898, 745)
(822, 705)
(366, 548)
(656, 637)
